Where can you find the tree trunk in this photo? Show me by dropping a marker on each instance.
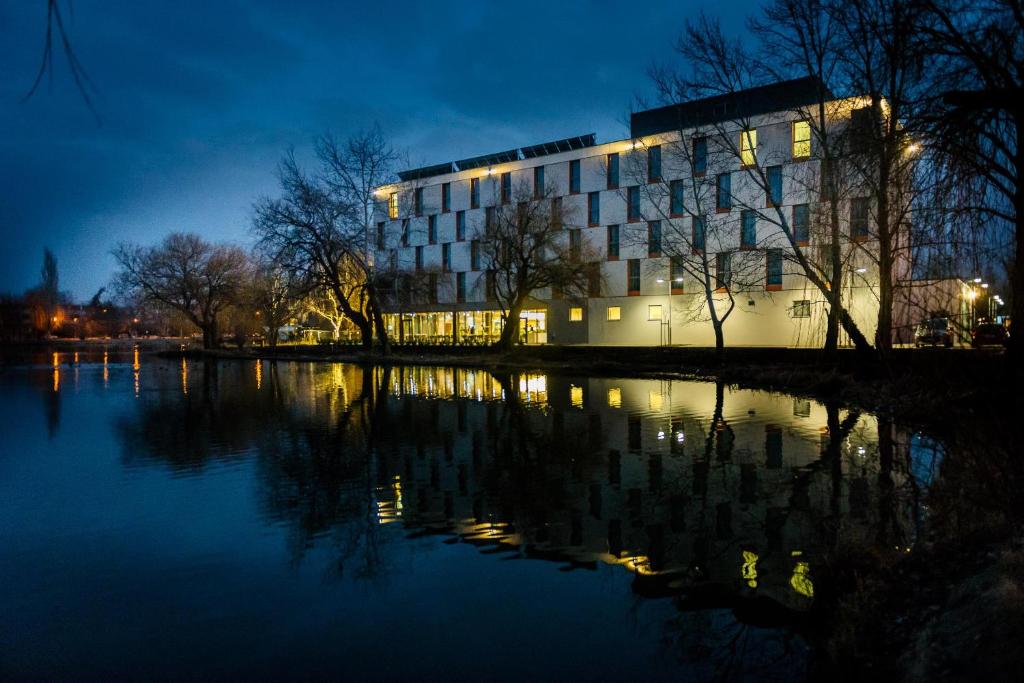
(365, 333)
(381, 330)
(210, 335)
(883, 331)
(719, 341)
(860, 342)
(510, 332)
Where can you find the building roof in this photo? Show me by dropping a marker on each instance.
(543, 149)
(782, 96)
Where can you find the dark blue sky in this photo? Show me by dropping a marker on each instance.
(199, 99)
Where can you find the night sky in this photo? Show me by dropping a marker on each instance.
(198, 100)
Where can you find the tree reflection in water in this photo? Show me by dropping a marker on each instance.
(730, 501)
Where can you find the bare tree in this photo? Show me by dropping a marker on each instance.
(526, 248)
(688, 242)
(723, 68)
(353, 170)
(881, 57)
(274, 297)
(973, 118)
(185, 273)
(318, 238)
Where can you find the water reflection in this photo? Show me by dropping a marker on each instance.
(688, 485)
(726, 503)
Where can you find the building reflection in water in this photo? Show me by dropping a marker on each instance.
(690, 485)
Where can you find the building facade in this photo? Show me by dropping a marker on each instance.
(723, 187)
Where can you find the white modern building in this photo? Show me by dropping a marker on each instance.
(638, 206)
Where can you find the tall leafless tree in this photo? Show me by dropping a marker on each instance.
(973, 121)
(526, 248)
(185, 273)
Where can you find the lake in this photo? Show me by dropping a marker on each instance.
(162, 519)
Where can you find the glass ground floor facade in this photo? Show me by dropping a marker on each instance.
(463, 327)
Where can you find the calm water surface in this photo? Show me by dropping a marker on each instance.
(166, 519)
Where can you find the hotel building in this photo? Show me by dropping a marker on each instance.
(624, 202)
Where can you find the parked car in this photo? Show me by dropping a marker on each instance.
(989, 334)
(934, 332)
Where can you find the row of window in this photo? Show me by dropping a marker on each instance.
(801, 149)
(800, 225)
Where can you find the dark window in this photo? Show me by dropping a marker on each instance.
(654, 164)
(697, 240)
(633, 203)
(490, 214)
(506, 188)
(859, 217)
(556, 213)
(748, 229)
(633, 282)
(575, 243)
(446, 256)
(676, 274)
(802, 308)
(677, 192)
(446, 197)
(405, 232)
(474, 255)
(460, 287)
(802, 223)
(538, 181)
(460, 225)
(594, 208)
(419, 258)
(491, 286)
(432, 288)
(594, 280)
(380, 235)
(654, 239)
(432, 228)
(474, 193)
(774, 268)
(574, 176)
(723, 195)
(723, 270)
(613, 171)
(418, 201)
(613, 243)
(774, 174)
(700, 156)
(860, 129)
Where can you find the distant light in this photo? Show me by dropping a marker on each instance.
(661, 435)
(490, 171)
(977, 280)
(660, 280)
(862, 270)
(679, 279)
(984, 285)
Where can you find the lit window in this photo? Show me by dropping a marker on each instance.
(614, 397)
(748, 147)
(393, 205)
(576, 396)
(576, 314)
(801, 140)
(614, 313)
(654, 312)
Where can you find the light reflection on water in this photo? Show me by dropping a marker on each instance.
(256, 499)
